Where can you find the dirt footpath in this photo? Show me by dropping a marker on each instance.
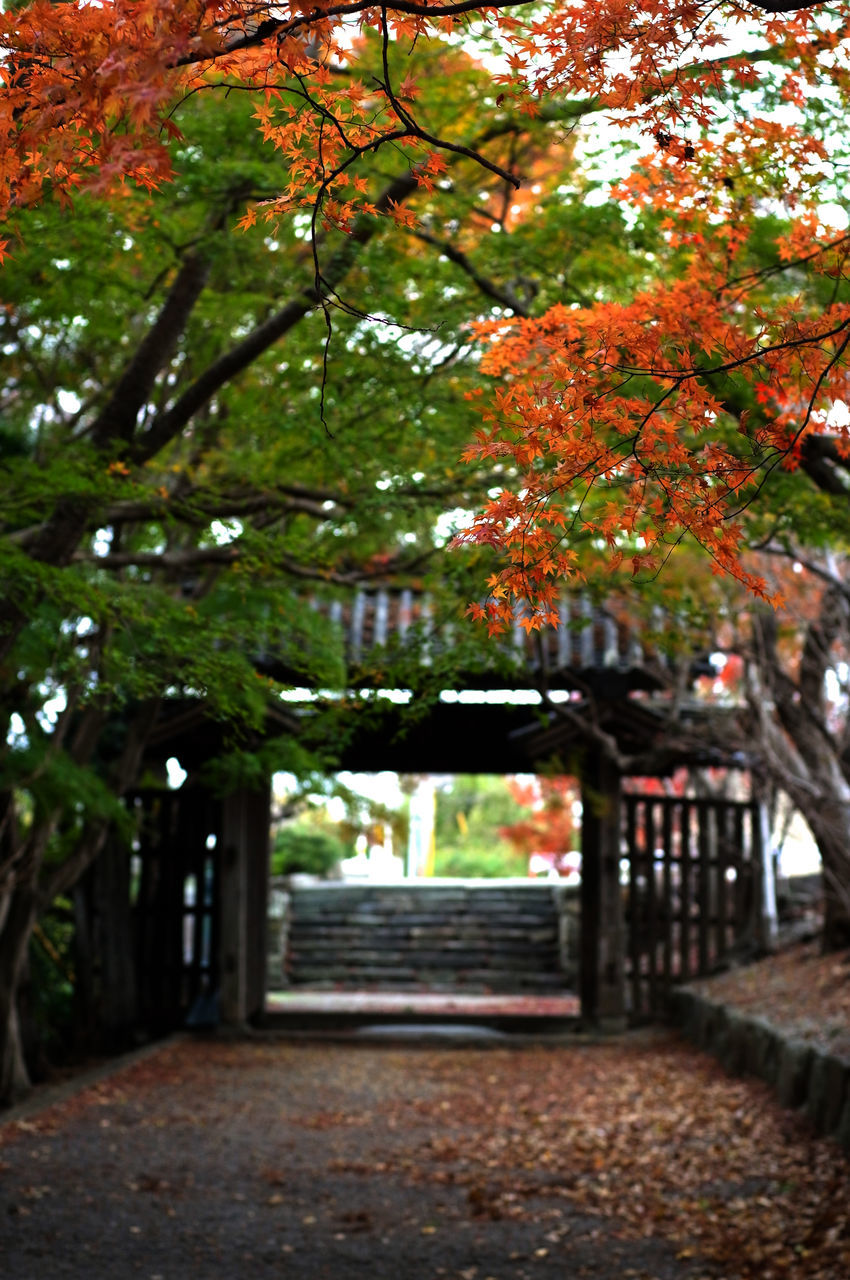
(305, 1160)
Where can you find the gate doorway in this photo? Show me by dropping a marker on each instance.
(671, 889)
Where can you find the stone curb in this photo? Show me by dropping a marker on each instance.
(44, 1096)
(803, 1077)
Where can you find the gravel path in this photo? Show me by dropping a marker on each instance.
(260, 1158)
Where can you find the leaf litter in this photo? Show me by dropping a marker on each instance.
(637, 1157)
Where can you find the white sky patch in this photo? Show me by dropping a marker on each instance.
(177, 775)
(834, 217)
(17, 735)
(51, 710)
(302, 694)
(452, 522)
(69, 402)
(226, 531)
(102, 542)
(497, 697)
(839, 415)
(383, 788)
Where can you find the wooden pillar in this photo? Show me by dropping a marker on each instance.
(243, 894)
(602, 955)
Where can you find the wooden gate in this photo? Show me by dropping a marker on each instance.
(693, 895)
(176, 905)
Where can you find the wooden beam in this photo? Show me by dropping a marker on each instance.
(602, 953)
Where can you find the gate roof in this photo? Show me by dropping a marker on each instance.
(397, 637)
(391, 633)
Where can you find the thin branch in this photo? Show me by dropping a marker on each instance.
(181, 559)
(504, 296)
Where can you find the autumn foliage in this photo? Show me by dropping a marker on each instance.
(159, 441)
(550, 826)
(640, 423)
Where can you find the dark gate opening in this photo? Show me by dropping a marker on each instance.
(176, 913)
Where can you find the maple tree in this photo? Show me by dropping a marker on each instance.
(197, 545)
(194, 555)
(629, 407)
(627, 402)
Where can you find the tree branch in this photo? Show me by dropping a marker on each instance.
(504, 296)
(823, 463)
(279, 28)
(117, 419)
(186, 558)
(168, 424)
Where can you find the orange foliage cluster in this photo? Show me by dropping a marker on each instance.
(550, 826)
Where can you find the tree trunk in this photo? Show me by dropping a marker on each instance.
(801, 753)
(20, 917)
(828, 824)
(817, 787)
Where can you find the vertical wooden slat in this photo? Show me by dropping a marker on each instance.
(425, 614)
(405, 612)
(651, 914)
(757, 855)
(610, 652)
(183, 963)
(685, 895)
(564, 635)
(704, 887)
(667, 892)
(585, 635)
(358, 617)
(634, 653)
(724, 819)
(382, 613)
(742, 876)
(632, 804)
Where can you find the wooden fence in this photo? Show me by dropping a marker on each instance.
(694, 894)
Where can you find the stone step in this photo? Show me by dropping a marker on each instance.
(419, 979)
(465, 937)
(375, 919)
(516, 943)
(353, 958)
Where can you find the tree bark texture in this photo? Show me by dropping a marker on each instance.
(804, 758)
(20, 917)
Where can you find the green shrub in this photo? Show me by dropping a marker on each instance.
(310, 852)
(478, 863)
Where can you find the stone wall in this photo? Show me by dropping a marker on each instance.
(803, 1076)
(507, 936)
